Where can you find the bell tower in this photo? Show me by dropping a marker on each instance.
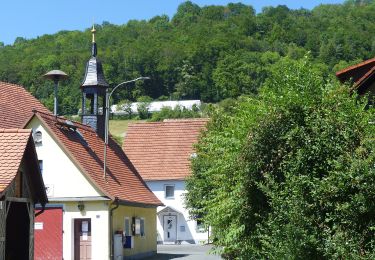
(94, 88)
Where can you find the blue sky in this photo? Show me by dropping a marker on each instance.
(34, 18)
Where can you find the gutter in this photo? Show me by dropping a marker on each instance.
(111, 244)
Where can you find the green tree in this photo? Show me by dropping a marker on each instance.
(290, 174)
(143, 107)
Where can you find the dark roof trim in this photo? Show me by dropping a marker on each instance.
(136, 204)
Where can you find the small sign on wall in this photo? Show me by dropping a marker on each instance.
(85, 226)
(38, 225)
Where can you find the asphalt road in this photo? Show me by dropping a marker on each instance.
(184, 252)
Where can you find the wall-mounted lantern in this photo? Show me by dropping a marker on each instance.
(81, 206)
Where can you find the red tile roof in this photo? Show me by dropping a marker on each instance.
(347, 73)
(86, 149)
(359, 74)
(16, 105)
(17, 147)
(13, 144)
(162, 150)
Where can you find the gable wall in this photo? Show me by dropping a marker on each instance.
(60, 174)
(190, 234)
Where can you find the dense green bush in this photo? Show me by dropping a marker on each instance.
(289, 175)
(176, 112)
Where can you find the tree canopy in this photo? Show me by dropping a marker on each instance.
(289, 174)
(209, 53)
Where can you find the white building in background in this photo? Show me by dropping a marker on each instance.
(156, 106)
(161, 153)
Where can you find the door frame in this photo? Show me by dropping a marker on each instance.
(164, 228)
(75, 231)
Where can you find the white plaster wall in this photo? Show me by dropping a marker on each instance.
(60, 174)
(177, 203)
(98, 213)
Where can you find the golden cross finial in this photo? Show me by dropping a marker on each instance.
(93, 31)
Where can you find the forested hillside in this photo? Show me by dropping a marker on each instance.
(208, 53)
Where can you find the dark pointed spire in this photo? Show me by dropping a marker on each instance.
(94, 50)
(94, 75)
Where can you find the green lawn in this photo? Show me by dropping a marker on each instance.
(118, 128)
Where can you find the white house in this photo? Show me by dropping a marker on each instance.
(161, 152)
(157, 106)
(87, 209)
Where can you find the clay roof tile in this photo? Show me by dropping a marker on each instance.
(162, 150)
(13, 144)
(86, 149)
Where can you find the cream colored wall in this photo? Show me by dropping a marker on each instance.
(143, 244)
(98, 213)
(65, 180)
(60, 174)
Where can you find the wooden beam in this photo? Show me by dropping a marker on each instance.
(14, 199)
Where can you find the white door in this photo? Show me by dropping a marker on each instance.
(170, 228)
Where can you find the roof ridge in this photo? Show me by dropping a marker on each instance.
(363, 63)
(9, 83)
(61, 118)
(14, 130)
(186, 119)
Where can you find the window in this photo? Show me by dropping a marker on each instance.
(41, 166)
(200, 226)
(169, 191)
(38, 137)
(139, 226)
(127, 227)
(142, 227)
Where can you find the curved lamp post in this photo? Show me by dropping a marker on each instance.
(106, 126)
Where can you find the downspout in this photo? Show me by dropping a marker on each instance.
(111, 244)
(40, 212)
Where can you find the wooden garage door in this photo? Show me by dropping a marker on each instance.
(48, 235)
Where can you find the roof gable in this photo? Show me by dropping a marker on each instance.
(85, 148)
(59, 169)
(162, 150)
(360, 74)
(12, 148)
(16, 146)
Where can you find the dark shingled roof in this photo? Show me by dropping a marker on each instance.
(94, 75)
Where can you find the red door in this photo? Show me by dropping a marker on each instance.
(48, 231)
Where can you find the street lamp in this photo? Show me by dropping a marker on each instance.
(56, 76)
(106, 126)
